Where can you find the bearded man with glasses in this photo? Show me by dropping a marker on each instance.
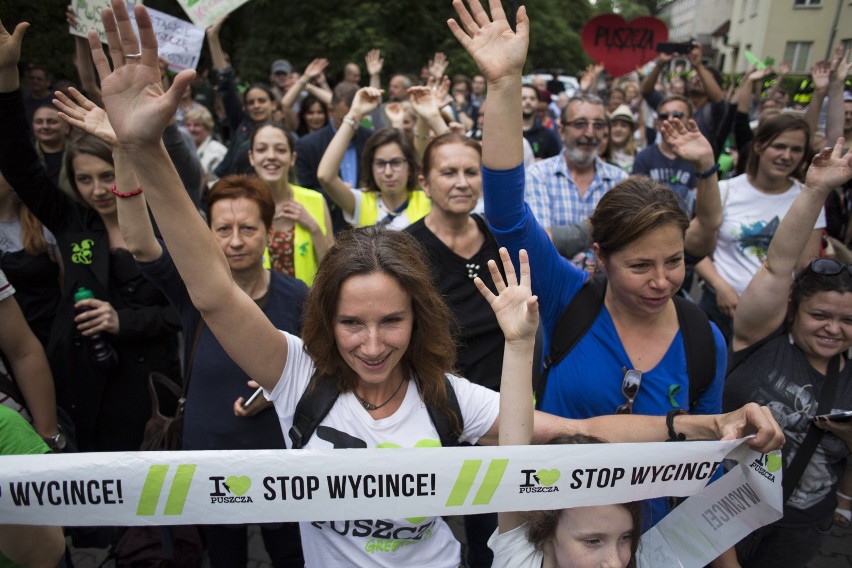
(562, 191)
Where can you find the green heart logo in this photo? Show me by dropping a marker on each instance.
(547, 477)
(773, 462)
(238, 485)
(415, 520)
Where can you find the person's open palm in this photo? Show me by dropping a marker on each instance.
(497, 50)
(830, 168)
(514, 305)
(82, 113)
(10, 45)
(685, 140)
(138, 108)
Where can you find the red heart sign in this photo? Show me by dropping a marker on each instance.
(623, 46)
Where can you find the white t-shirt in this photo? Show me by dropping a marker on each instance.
(398, 223)
(749, 221)
(513, 550)
(426, 542)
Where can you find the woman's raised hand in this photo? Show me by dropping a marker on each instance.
(367, 99)
(514, 305)
(497, 50)
(82, 113)
(830, 168)
(138, 108)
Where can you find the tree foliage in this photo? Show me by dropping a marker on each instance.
(408, 32)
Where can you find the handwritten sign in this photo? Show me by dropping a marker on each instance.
(204, 13)
(88, 15)
(180, 42)
(622, 46)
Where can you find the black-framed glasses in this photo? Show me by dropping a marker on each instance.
(829, 266)
(669, 115)
(395, 164)
(629, 388)
(582, 125)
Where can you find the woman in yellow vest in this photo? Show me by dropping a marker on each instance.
(389, 169)
(301, 229)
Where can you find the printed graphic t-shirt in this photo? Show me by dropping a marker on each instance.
(390, 543)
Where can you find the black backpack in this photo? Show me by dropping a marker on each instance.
(321, 394)
(582, 312)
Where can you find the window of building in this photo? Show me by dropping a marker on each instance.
(743, 5)
(807, 3)
(798, 54)
(754, 5)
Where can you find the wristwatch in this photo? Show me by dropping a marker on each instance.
(57, 441)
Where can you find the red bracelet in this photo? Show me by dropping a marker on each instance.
(122, 195)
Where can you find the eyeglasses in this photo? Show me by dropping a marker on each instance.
(668, 115)
(395, 164)
(584, 124)
(829, 267)
(629, 388)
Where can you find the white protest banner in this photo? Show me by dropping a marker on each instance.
(154, 488)
(707, 524)
(204, 13)
(179, 41)
(88, 15)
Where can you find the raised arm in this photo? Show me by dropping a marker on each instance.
(375, 62)
(366, 100)
(840, 67)
(314, 69)
(83, 60)
(764, 302)
(139, 111)
(517, 313)
(687, 142)
(711, 87)
(499, 53)
(425, 104)
(821, 76)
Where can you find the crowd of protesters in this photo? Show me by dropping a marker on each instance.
(672, 199)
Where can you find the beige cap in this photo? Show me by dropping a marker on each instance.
(624, 113)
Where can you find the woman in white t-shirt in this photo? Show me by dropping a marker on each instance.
(373, 322)
(753, 205)
(389, 167)
(579, 537)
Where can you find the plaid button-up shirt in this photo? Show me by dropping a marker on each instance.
(554, 198)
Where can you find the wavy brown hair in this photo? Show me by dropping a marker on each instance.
(541, 525)
(431, 352)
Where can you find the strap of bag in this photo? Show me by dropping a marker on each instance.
(315, 404)
(583, 310)
(574, 322)
(812, 439)
(321, 394)
(448, 435)
(699, 345)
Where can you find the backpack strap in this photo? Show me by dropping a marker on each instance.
(574, 322)
(321, 394)
(315, 404)
(699, 345)
(446, 433)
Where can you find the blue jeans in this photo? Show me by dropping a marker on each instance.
(773, 546)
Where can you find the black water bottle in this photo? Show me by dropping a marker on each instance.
(101, 353)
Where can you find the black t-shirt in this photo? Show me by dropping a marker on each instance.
(776, 374)
(53, 165)
(545, 142)
(478, 335)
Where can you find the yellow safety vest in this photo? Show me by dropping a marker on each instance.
(304, 257)
(419, 205)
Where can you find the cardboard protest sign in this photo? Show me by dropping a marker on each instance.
(204, 13)
(88, 14)
(623, 46)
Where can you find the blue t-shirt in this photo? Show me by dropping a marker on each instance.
(677, 174)
(587, 382)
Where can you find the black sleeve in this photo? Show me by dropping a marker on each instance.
(23, 170)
